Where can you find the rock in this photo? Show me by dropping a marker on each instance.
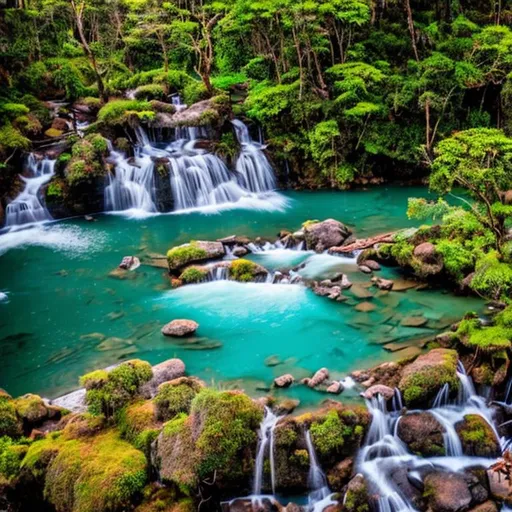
(382, 284)
(402, 285)
(422, 433)
(193, 252)
(199, 114)
(477, 437)
(180, 328)
(488, 506)
(427, 261)
(60, 124)
(342, 281)
(371, 264)
(284, 381)
(379, 389)
(234, 240)
(413, 321)
(335, 388)
(340, 474)
(272, 361)
(446, 339)
(129, 263)
(364, 269)
(286, 406)
(293, 507)
(163, 372)
(447, 492)
(89, 218)
(501, 489)
(31, 409)
(422, 379)
(368, 383)
(331, 292)
(239, 251)
(321, 236)
(318, 378)
(356, 497)
(425, 251)
(365, 307)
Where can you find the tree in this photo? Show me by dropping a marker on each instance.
(480, 161)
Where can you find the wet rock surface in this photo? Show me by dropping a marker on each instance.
(179, 328)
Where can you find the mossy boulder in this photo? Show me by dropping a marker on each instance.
(175, 397)
(108, 392)
(357, 497)
(10, 424)
(102, 474)
(477, 437)
(11, 454)
(427, 374)
(31, 409)
(210, 112)
(193, 252)
(484, 339)
(246, 271)
(218, 436)
(422, 433)
(193, 274)
(138, 424)
(321, 236)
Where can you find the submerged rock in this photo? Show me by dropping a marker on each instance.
(321, 236)
(179, 328)
(364, 269)
(382, 284)
(129, 263)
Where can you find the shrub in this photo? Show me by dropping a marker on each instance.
(493, 278)
(328, 434)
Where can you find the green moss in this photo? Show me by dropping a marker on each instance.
(309, 223)
(100, 475)
(98, 143)
(489, 339)
(119, 111)
(243, 270)
(11, 139)
(31, 408)
(300, 458)
(228, 424)
(457, 259)
(10, 425)
(138, 425)
(493, 277)
(504, 318)
(328, 435)
(357, 498)
(11, 454)
(108, 393)
(402, 252)
(55, 191)
(179, 256)
(150, 92)
(193, 275)
(175, 397)
(477, 437)
(424, 379)
(53, 133)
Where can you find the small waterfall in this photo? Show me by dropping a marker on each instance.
(320, 495)
(254, 170)
(265, 439)
(28, 207)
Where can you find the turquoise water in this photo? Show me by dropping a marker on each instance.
(65, 315)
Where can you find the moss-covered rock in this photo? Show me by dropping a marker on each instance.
(477, 437)
(484, 339)
(108, 392)
(193, 274)
(357, 498)
(422, 433)
(193, 252)
(121, 112)
(10, 424)
(164, 499)
(245, 270)
(31, 409)
(11, 454)
(175, 397)
(138, 424)
(103, 474)
(423, 378)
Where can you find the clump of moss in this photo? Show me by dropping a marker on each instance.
(86, 162)
(193, 275)
(477, 437)
(402, 252)
(10, 425)
(100, 475)
(31, 408)
(175, 397)
(485, 339)
(11, 454)
(150, 92)
(119, 112)
(357, 498)
(422, 379)
(179, 256)
(243, 270)
(138, 425)
(108, 392)
(227, 424)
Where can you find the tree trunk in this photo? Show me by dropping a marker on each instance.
(410, 24)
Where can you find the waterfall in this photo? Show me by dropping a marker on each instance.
(28, 207)
(265, 439)
(320, 495)
(254, 170)
(132, 187)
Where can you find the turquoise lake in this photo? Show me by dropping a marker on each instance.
(65, 315)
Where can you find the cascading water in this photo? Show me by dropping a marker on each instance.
(320, 495)
(28, 207)
(384, 453)
(254, 170)
(265, 440)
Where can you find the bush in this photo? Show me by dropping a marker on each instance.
(493, 278)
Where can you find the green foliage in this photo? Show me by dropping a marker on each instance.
(10, 425)
(179, 256)
(119, 111)
(493, 278)
(11, 455)
(243, 270)
(175, 397)
(328, 435)
(107, 392)
(150, 92)
(193, 275)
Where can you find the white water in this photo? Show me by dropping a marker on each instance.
(384, 453)
(254, 170)
(28, 208)
(265, 440)
(320, 495)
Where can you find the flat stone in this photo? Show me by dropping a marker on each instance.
(335, 388)
(413, 321)
(371, 264)
(180, 328)
(365, 307)
(401, 285)
(378, 389)
(364, 269)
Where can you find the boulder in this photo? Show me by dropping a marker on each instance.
(422, 433)
(379, 389)
(357, 496)
(286, 406)
(321, 236)
(60, 124)
(382, 284)
(193, 252)
(129, 263)
(179, 328)
(340, 474)
(330, 291)
(499, 486)
(371, 264)
(364, 269)
(488, 506)
(425, 251)
(335, 387)
(427, 261)
(318, 378)
(477, 437)
(284, 381)
(447, 492)
(422, 379)
(163, 372)
(202, 113)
